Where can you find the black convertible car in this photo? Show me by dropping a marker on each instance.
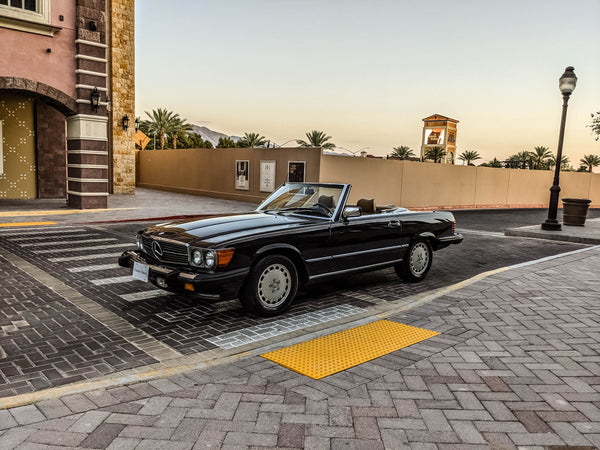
(302, 232)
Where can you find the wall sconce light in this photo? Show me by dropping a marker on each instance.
(137, 123)
(95, 99)
(125, 122)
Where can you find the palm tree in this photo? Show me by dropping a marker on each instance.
(162, 122)
(178, 127)
(253, 140)
(540, 157)
(469, 156)
(595, 125)
(590, 161)
(316, 139)
(564, 162)
(435, 153)
(493, 163)
(402, 152)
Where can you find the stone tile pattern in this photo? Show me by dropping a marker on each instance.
(516, 366)
(46, 342)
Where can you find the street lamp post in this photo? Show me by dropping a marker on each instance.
(566, 84)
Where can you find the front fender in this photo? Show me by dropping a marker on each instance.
(278, 246)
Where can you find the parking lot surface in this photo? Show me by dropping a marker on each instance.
(515, 364)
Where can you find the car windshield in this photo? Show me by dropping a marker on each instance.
(301, 198)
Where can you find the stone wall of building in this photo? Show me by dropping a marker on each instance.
(123, 95)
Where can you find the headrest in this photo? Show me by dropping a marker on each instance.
(367, 205)
(326, 200)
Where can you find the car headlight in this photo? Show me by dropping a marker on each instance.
(210, 259)
(139, 242)
(197, 257)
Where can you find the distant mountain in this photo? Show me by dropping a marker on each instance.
(212, 136)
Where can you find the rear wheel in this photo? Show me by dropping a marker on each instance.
(416, 263)
(271, 286)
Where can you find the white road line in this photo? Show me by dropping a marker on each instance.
(80, 249)
(85, 257)
(32, 231)
(93, 268)
(81, 241)
(113, 280)
(282, 326)
(62, 236)
(144, 295)
(482, 233)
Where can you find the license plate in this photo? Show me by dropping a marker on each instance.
(140, 271)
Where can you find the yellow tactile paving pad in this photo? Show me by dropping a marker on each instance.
(339, 351)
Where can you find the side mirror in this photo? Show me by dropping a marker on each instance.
(351, 211)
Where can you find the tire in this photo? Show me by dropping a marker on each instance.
(271, 286)
(416, 263)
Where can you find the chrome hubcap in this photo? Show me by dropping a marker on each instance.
(419, 259)
(274, 285)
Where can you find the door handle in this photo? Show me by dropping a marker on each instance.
(394, 223)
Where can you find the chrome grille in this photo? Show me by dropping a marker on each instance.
(172, 252)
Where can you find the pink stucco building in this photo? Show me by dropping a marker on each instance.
(63, 109)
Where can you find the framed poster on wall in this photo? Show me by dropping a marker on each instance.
(242, 170)
(267, 176)
(296, 171)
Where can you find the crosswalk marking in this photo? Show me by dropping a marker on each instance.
(93, 268)
(85, 257)
(81, 241)
(36, 238)
(38, 231)
(113, 280)
(144, 295)
(279, 327)
(80, 249)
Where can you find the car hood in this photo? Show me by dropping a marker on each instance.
(218, 230)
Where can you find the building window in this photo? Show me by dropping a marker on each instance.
(32, 16)
(29, 5)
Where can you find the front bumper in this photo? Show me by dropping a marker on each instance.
(224, 285)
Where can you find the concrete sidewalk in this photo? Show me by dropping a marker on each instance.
(587, 234)
(516, 365)
(145, 204)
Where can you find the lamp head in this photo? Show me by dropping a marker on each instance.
(95, 99)
(568, 81)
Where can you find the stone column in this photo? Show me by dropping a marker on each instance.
(87, 131)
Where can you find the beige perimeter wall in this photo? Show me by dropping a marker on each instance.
(410, 184)
(428, 185)
(212, 171)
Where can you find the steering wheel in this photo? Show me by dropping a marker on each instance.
(325, 208)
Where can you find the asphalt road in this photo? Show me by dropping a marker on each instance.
(46, 342)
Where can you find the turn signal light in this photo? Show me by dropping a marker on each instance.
(224, 256)
(188, 287)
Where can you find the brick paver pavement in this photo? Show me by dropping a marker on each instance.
(516, 365)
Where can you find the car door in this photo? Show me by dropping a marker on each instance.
(366, 241)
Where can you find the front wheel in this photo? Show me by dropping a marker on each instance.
(271, 286)
(416, 263)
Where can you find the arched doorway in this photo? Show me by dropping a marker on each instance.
(33, 158)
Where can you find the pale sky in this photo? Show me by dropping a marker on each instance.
(368, 71)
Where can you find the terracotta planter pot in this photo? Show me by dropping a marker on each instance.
(575, 211)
